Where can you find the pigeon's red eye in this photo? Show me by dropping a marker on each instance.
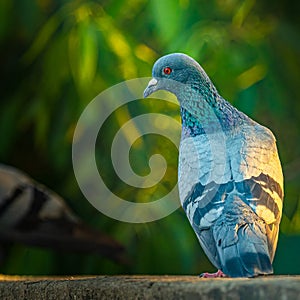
(167, 70)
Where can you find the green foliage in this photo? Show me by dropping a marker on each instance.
(57, 55)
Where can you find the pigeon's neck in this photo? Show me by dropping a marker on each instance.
(191, 126)
(210, 118)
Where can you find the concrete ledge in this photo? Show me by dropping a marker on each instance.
(148, 287)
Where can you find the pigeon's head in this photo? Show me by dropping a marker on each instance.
(174, 72)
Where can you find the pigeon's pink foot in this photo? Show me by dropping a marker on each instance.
(218, 274)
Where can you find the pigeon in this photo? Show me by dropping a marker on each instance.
(230, 178)
(33, 215)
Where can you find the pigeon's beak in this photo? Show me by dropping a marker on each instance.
(151, 88)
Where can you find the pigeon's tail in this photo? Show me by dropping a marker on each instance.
(242, 243)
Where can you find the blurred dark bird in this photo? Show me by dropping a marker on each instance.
(33, 215)
(230, 178)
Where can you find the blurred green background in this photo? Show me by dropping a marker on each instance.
(57, 55)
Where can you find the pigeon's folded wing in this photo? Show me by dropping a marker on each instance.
(258, 175)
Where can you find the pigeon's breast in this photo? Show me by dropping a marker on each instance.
(202, 159)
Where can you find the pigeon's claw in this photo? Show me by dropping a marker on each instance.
(218, 274)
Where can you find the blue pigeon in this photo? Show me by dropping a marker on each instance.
(229, 174)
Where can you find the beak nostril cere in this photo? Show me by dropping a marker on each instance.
(152, 82)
